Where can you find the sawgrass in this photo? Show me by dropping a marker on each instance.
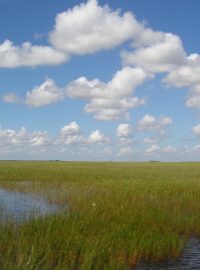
(115, 214)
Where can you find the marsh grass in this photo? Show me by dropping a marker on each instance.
(116, 215)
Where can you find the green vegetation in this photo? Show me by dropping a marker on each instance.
(118, 213)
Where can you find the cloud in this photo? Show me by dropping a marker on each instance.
(39, 138)
(10, 98)
(85, 29)
(196, 129)
(88, 28)
(108, 101)
(169, 149)
(112, 100)
(193, 99)
(29, 55)
(70, 130)
(108, 151)
(70, 134)
(154, 148)
(124, 130)
(153, 51)
(97, 137)
(187, 75)
(71, 143)
(11, 138)
(148, 140)
(68, 138)
(196, 147)
(161, 56)
(45, 94)
(148, 123)
(124, 151)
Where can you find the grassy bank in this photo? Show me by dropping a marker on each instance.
(117, 214)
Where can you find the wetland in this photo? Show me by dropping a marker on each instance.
(116, 215)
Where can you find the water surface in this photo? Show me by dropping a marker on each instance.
(20, 206)
(190, 259)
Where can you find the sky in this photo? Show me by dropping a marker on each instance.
(100, 80)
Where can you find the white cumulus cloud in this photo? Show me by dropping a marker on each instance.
(149, 122)
(29, 55)
(13, 138)
(193, 99)
(124, 130)
(98, 137)
(70, 134)
(45, 94)
(161, 56)
(187, 75)
(112, 100)
(89, 27)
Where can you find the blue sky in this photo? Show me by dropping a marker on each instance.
(100, 80)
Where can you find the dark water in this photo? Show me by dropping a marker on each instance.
(190, 259)
(20, 207)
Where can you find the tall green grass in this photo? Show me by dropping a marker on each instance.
(116, 214)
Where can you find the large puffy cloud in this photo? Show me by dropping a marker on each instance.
(86, 28)
(148, 123)
(110, 101)
(89, 27)
(161, 56)
(45, 94)
(97, 28)
(12, 56)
